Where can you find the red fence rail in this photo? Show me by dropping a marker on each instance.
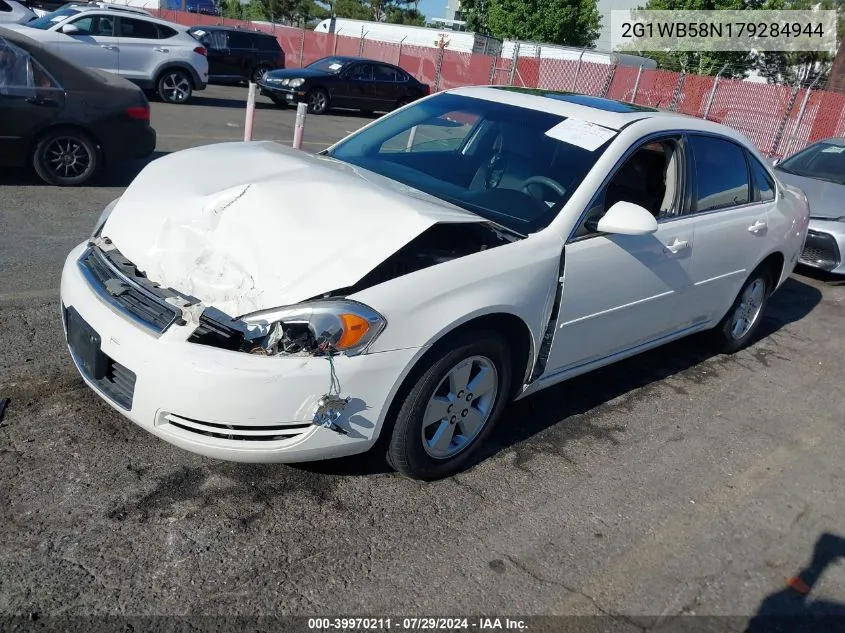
(770, 115)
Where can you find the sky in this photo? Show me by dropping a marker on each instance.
(433, 8)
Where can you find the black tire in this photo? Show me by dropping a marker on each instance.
(406, 451)
(174, 85)
(258, 73)
(731, 336)
(318, 101)
(66, 157)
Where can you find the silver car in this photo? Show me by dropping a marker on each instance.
(819, 170)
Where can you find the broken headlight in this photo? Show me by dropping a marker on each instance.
(101, 221)
(319, 327)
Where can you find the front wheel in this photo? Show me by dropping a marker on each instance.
(452, 408)
(318, 101)
(65, 158)
(174, 86)
(737, 328)
(259, 72)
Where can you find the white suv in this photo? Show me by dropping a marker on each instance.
(155, 54)
(12, 12)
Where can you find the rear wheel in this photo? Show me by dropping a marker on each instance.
(65, 157)
(174, 86)
(452, 408)
(259, 72)
(737, 328)
(318, 101)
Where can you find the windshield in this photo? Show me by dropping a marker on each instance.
(490, 158)
(329, 64)
(822, 161)
(45, 22)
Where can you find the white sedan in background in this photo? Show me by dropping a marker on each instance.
(12, 12)
(464, 251)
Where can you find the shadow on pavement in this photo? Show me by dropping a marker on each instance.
(792, 610)
(120, 175)
(525, 419)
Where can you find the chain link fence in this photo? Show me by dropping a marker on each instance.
(778, 119)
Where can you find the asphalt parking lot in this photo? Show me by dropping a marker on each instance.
(677, 482)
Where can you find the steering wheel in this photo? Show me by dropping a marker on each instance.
(554, 185)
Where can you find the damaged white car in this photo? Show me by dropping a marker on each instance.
(466, 250)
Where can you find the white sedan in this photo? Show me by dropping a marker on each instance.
(464, 251)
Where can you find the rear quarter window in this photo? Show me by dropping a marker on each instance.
(269, 44)
(5, 7)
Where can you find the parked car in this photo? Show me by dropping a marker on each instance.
(343, 82)
(236, 55)
(472, 248)
(12, 12)
(819, 171)
(205, 7)
(155, 54)
(64, 120)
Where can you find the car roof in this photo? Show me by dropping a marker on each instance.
(104, 6)
(601, 111)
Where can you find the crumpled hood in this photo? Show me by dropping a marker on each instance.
(251, 226)
(827, 199)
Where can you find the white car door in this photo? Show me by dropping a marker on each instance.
(140, 48)
(89, 40)
(620, 292)
(731, 208)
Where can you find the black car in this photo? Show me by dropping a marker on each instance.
(65, 120)
(344, 82)
(236, 55)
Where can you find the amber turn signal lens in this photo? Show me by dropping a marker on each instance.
(354, 329)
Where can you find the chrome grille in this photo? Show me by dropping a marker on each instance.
(237, 432)
(820, 251)
(124, 294)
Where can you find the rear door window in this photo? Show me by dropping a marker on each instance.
(138, 29)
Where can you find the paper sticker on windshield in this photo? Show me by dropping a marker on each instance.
(199, 33)
(57, 18)
(833, 149)
(335, 66)
(582, 134)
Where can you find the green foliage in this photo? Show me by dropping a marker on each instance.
(285, 11)
(799, 67)
(736, 64)
(393, 11)
(567, 22)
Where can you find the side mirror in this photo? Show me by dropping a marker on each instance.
(627, 218)
(70, 29)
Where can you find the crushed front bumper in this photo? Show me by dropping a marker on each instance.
(224, 404)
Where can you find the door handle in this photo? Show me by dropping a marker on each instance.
(677, 246)
(757, 228)
(109, 47)
(42, 102)
(161, 50)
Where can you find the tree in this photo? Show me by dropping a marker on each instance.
(736, 64)
(802, 67)
(474, 13)
(395, 11)
(566, 22)
(401, 15)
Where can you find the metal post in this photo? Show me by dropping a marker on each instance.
(399, 61)
(676, 95)
(514, 62)
(299, 126)
(361, 43)
(334, 48)
(439, 70)
(609, 79)
(493, 65)
(302, 49)
(712, 96)
(577, 71)
(250, 112)
(801, 110)
(636, 85)
(782, 127)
